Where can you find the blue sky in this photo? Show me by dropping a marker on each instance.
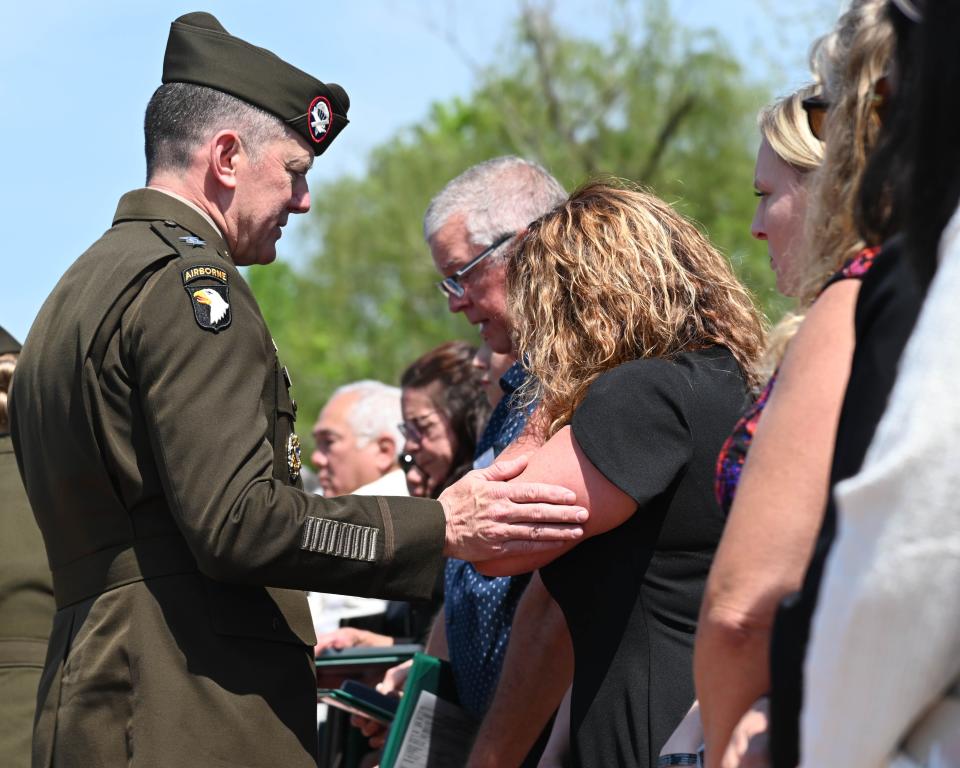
(76, 76)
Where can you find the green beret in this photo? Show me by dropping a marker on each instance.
(8, 344)
(200, 51)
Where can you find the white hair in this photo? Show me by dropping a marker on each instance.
(375, 411)
(496, 197)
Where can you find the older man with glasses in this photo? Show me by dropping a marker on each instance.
(469, 227)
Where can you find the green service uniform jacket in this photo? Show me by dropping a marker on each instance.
(152, 422)
(26, 613)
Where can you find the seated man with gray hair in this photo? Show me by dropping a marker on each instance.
(358, 439)
(356, 443)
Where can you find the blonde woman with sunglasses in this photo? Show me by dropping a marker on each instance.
(781, 494)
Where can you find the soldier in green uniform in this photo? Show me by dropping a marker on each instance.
(153, 427)
(26, 592)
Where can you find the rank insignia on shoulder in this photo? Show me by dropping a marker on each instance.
(293, 457)
(211, 306)
(193, 240)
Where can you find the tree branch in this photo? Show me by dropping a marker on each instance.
(670, 127)
(536, 25)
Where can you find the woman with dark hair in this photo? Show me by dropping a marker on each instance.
(444, 409)
(443, 405)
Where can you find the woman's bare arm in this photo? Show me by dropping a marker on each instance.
(775, 516)
(560, 460)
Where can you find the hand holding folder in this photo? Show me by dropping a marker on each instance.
(429, 728)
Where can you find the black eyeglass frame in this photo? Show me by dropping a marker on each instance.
(451, 286)
(411, 430)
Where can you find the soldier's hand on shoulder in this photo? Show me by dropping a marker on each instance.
(488, 517)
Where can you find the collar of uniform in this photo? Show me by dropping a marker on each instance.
(156, 205)
(195, 207)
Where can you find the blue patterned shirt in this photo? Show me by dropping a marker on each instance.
(479, 609)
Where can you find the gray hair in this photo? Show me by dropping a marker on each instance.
(495, 197)
(375, 412)
(181, 117)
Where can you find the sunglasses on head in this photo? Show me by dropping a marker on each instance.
(816, 108)
(451, 286)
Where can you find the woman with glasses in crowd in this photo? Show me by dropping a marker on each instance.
(643, 347)
(781, 492)
(444, 410)
(444, 403)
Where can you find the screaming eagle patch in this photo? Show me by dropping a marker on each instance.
(318, 118)
(210, 296)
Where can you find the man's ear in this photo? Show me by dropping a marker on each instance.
(225, 152)
(386, 458)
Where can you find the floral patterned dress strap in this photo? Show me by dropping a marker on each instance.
(854, 268)
(733, 454)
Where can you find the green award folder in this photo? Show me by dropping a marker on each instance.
(432, 678)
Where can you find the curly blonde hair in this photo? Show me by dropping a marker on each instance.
(612, 275)
(849, 61)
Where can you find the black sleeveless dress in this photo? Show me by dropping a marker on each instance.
(631, 596)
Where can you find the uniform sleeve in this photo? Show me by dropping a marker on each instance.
(202, 393)
(632, 427)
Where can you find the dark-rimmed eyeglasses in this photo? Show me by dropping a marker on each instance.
(816, 108)
(451, 286)
(417, 429)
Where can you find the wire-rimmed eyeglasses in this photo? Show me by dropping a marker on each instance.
(451, 286)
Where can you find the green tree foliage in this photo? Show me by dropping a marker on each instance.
(664, 107)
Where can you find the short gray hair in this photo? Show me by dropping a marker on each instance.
(375, 412)
(495, 197)
(181, 117)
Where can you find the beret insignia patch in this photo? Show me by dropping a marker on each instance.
(211, 306)
(318, 118)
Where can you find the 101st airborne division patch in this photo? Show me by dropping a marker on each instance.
(209, 294)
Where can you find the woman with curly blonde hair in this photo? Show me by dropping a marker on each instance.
(644, 348)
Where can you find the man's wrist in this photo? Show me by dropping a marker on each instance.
(449, 542)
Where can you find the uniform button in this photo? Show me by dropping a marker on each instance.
(170, 223)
